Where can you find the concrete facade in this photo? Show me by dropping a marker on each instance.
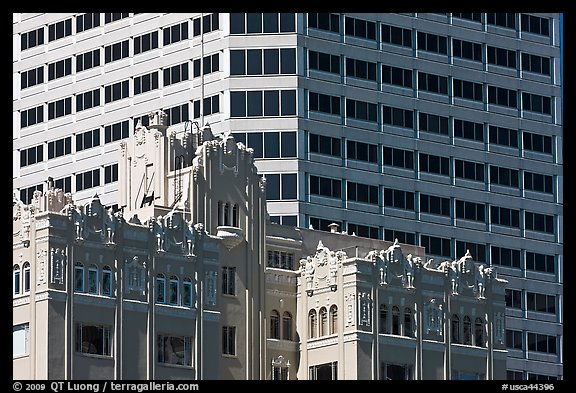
(348, 122)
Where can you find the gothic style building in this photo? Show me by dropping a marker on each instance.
(189, 280)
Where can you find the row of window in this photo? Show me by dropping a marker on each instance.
(536, 342)
(462, 333)
(502, 256)
(399, 36)
(519, 375)
(324, 322)
(396, 323)
(530, 301)
(280, 329)
(280, 259)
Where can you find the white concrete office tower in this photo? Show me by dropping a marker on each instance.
(441, 130)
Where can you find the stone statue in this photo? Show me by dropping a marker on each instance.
(380, 261)
(159, 232)
(333, 266)
(110, 225)
(481, 276)
(309, 271)
(188, 243)
(78, 218)
(409, 263)
(450, 268)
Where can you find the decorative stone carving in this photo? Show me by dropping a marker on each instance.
(58, 263)
(25, 218)
(210, 279)
(350, 301)
(499, 328)
(433, 317)
(482, 275)
(410, 265)
(450, 269)
(135, 276)
(365, 307)
(159, 231)
(76, 215)
(41, 266)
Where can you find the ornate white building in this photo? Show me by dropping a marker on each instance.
(188, 280)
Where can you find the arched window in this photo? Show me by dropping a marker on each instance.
(160, 288)
(287, 326)
(235, 216)
(467, 331)
(174, 291)
(26, 271)
(479, 332)
(323, 322)
(187, 292)
(275, 324)
(383, 319)
(93, 279)
(106, 281)
(395, 320)
(408, 322)
(220, 213)
(16, 279)
(78, 277)
(226, 214)
(455, 329)
(312, 324)
(333, 319)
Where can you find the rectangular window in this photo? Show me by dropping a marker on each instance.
(535, 24)
(93, 339)
(229, 280)
(474, 16)
(29, 117)
(392, 372)
(324, 62)
(325, 145)
(110, 173)
(502, 57)
(145, 42)
(360, 69)
(503, 136)
(210, 64)
(229, 340)
(177, 114)
(32, 38)
(31, 77)
(175, 350)
(360, 28)
(209, 23)
(59, 29)
(435, 205)
(478, 251)
(504, 176)
(361, 151)
(467, 50)
(536, 103)
(324, 103)
(281, 186)
(176, 33)
(403, 237)
(60, 147)
(110, 17)
(468, 130)
(398, 117)
(368, 194)
(275, 102)
(280, 259)
(541, 302)
(327, 371)
(116, 51)
(26, 194)
(31, 155)
(210, 105)
(87, 60)
(468, 90)
(145, 83)
(59, 69)
(361, 110)
(502, 96)
(539, 222)
(514, 339)
(513, 298)
(59, 108)
(541, 377)
(432, 83)
(470, 211)
(87, 139)
(501, 19)
(436, 245)
(534, 63)
(396, 36)
(541, 343)
(175, 74)
(324, 21)
(116, 91)
(434, 164)
(87, 21)
(396, 76)
(469, 170)
(325, 187)
(540, 262)
(88, 179)
(504, 216)
(363, 231)
(537, 142)
(538, 182)
(432, 43)
(323, 224)
(65, 184)
(505, 256)
(398, 199)
(398, 157)
(87, 100)
(20, 340)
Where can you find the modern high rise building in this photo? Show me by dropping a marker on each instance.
(441, 130)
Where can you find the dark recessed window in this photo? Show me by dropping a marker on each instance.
(504, 216)
(504, 176)
(324, 62)
(31, 77)
(398, 117)
(116, 51)
(503, 136)
(505, 256)
(60, 29)
(145, 42)
(325, 145)
(32, 38)
(324, 21)
(469, 170)
(175, 33)
(87, 60)
(396, 76)
(87, 22)
(397, 36)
